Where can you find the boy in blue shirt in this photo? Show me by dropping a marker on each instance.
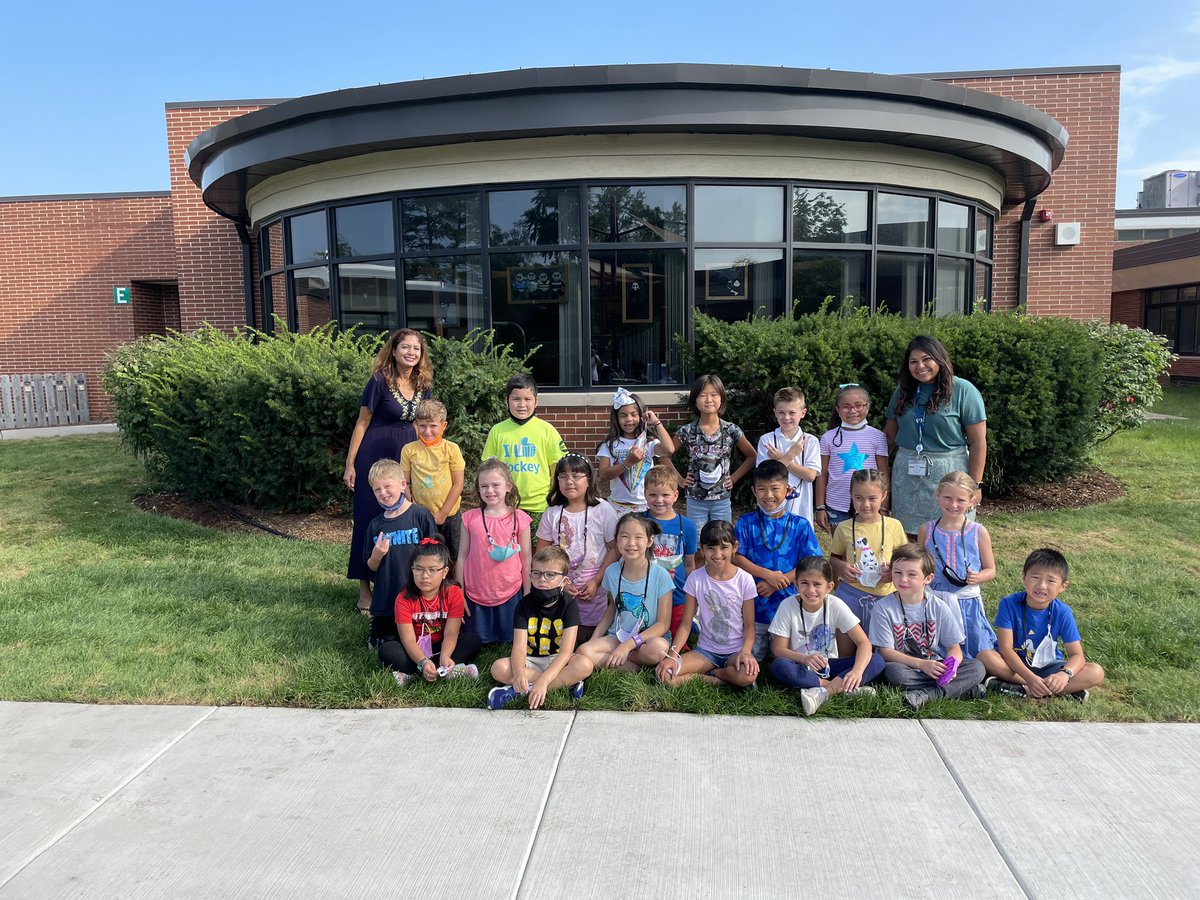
(771, 541)
(1029, 626)
(676, 545)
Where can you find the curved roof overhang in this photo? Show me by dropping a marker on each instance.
(1023, 145)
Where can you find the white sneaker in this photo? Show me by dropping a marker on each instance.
(464, 670)
(863, 690)
(400, 678)
(812, 698)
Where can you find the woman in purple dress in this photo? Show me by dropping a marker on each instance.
(400, 379)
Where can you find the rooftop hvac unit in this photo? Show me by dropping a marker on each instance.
(1066, 234)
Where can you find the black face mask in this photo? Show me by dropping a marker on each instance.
(543, 597)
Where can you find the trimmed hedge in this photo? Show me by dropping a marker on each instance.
(266, 420)
(1043, 379)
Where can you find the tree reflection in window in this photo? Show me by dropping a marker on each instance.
(622, 214)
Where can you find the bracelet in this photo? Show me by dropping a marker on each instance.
(421, 664)
(637, 641)
(821, 508)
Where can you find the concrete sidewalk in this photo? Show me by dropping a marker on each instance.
(445, 803)
(50, 431)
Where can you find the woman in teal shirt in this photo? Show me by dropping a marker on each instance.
(937, 423)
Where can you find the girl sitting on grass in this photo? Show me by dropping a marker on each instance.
(429, 618)
(635, 628)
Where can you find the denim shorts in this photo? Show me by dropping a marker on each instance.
(704, 511)
(719, 660)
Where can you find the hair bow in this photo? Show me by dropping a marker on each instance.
(429, 540)
(622, 398)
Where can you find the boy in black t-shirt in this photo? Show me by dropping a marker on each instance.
(392, 537)
(545, 628)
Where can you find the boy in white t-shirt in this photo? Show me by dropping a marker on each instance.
(804, 640)
(723, 596)
(800, 453)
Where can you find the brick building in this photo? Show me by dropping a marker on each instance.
(589, 210)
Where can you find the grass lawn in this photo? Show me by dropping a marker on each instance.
(101, 602)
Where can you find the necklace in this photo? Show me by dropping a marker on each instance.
(408, 405)
(491, 540)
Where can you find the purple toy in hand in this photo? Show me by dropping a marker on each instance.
(951, 664)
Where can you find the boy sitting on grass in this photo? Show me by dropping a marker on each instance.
(1029, 626)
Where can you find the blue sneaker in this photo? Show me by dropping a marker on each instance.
(499, 697)
(577, 690)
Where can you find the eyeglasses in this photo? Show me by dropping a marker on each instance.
(536, 575)
(572, 476)
(428, 572)
(854, 406)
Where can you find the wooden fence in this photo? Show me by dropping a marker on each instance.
(28, 401)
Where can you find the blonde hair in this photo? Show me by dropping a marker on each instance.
(662, 476)
(430, 411)
(959, 480)
(492, 464)
(554, 554)
(384, 468)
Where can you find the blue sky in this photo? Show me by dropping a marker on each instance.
(84, 84)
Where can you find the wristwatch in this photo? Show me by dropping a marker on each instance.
(1068, 672)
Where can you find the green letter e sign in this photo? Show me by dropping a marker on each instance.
(121, 296)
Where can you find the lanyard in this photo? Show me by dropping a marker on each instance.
(962, 536)
(645, 590)
(824, 618)
(919, 411)
(425, 611)
(787, 524)
(1025, 630)
(925, 647)
(882, 534)
(483, 516)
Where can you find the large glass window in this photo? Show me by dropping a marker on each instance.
(954, 227)
(735, 284)
(900, 283)
(441, 222)
(830, 216)
(536, 301)
(310, 287)
(533, 218)
(739, 214)
(603, 278)
(637, 214)
(637, 307)
(1174, 313)
(818, 274)
(364, 229)
(903, 220)
(444, 294)
(310, 241)
(368, 295)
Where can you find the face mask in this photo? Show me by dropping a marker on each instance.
(859, 427)
(709, 477)
(500, 554)
(544, 597)
(775, 513)
(522, 421)
(395, 505)
(425, 645)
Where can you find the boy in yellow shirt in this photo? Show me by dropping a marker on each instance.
(435, 468)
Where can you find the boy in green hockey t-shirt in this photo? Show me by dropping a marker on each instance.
(529, 446)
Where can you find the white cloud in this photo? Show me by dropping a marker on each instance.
(1150, 78)
(1135, 119)
(1193, 27)
(1188, 160)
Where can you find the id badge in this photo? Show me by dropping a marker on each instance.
(425, 643)
(917, 467)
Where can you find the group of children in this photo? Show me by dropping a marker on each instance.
(628, 583)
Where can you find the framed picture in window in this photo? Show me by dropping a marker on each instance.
(728, 283)
(637, 293)
(537, 284)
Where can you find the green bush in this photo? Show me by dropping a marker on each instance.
(1039, 376)
(266, 420)
(242, 416)
(1132, 362)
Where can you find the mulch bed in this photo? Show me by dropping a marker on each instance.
(334, 525)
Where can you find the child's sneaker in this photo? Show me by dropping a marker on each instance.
(577, 690)
(400, 678)
(1081, 696)
(501, 696)
(978, 692)
(914, 700)
(863, 690)
(464, 670)
(999, 686)
(812, 698)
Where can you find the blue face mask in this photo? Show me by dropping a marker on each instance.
(500, 554)
(395, 505)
